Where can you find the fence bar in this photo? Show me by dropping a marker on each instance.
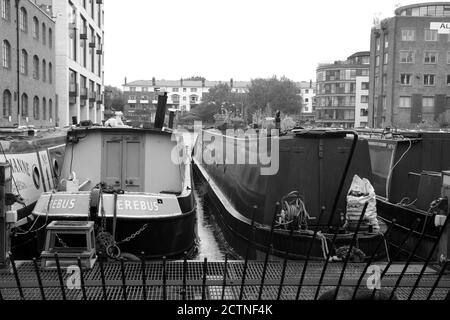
(164, 267)
(372, 257)
(408, 262)
(144, 277)
(441, 273)
(60, 277)
(268, 250)
(388, 265)
(184, 291)
(124, 282)
(263, 278)
(350, 248)
(308, 254)
(205, 271)
(430, 256)
(286, 257)
(83, 288)
(102, 276)
(244, 271)
(16, 275)
(38, 276)
(224, 283)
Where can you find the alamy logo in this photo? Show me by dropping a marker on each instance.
(73, 282)
(374, 280)
(213, 147)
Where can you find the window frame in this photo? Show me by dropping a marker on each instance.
(429, 76)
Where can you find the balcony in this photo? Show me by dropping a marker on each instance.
(144, 101)
(99, 50)
(99, 1)
(84, 93)
(99, 98)
(92, 44)
(92, 96)
(83, 34)
(132, 101)
(73, 90)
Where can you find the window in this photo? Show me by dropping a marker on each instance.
(6, 55)
(175, 90)
(364, 99)
(50, 38)
(144, 89)
(385, 58)
(35, 67)
(6, 103)
(24, 105)
(429, 79)
(44, 109)
(36, 108)
(363, 113)
(184, 89)
(430, 57)
(364, 86)
(378, 44)
(50, 73)
(448, 79)
(133, 98)
(408, 34)
(386, 42)
(405, 79)
(6, 9)
(406, 56)
(448, 57)
(428, 104)
(50, 109)
(24, 63)
(184, 98)
(44, 34)
(193, 89)
(431, 35)
(23, 20)
(405, 102)
(44, 71)
(35, 28)
(377, 61)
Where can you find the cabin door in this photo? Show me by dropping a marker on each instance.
(123, 162)
(132, 170)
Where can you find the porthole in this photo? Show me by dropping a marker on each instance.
(36, 177)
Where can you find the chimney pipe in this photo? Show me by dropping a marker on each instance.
(125, 80)
(161, 111)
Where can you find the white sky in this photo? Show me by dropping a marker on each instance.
(239, 39)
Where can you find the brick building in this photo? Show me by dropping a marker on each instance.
(27, 75)
(410, 67)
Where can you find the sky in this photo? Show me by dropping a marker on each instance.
(239, 39)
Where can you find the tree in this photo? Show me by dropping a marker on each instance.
(114, 98)
(219, 98)
(274, 94)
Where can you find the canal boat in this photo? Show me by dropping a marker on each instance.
(407, 170)
(134, 183)
(36, 157)
(316, 168)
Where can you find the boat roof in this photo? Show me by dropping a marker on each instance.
(124, 129)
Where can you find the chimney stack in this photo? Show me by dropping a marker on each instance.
(153, 82)
(125, 80)
(181, 82)
(310, 84)
(231, 83)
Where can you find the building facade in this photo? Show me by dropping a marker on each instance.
(308, 94)
(342, 92)
(410, 67)
(79, 59)
(27, 70)
(141, 96)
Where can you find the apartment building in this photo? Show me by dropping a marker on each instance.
(79, 59)
(342, 92)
